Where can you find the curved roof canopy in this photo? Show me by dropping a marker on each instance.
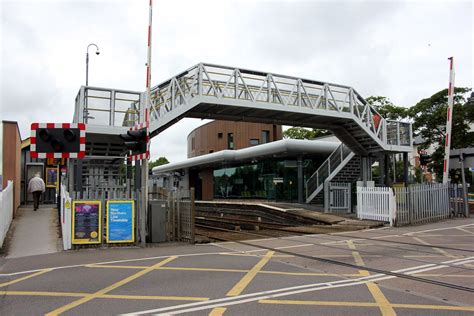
(284, 147)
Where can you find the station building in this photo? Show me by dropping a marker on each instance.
(241, 160)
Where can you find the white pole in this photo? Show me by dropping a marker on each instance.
(449, 121)
(146, 122)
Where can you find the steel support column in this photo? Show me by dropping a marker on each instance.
(382, 174)
(388, 179)
(405, 169)
(300, 180)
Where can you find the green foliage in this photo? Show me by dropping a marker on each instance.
(304, 133)
(160, 161)
(429, 121)
(387, 109)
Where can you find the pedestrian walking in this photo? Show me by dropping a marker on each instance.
(36, 187)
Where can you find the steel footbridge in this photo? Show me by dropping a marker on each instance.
(210, 91)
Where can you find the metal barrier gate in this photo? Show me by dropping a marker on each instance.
(337, 197)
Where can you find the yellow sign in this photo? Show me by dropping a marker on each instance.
(67, 204)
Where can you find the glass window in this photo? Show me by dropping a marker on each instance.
(265, 137)
(230, 140)
(254, 142)
(219, 135)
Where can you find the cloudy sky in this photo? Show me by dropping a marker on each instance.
(397, 49)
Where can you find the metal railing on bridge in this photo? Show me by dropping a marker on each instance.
(329, 167)
(230, 83)
(123, 108)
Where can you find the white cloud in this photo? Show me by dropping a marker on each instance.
(395, 49)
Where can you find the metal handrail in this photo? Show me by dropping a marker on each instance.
(226, 82)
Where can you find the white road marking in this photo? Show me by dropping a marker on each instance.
(109, 262)
(241, 299)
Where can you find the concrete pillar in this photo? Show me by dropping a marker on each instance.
(364, 169)
(300, 180)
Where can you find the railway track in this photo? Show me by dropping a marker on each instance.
(347, 264)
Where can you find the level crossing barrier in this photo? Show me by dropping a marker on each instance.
(65, 217)
(6, 211)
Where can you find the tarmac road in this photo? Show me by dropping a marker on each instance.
(338, 274)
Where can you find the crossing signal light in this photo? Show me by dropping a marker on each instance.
(136, 141)
(57, 140)
(425, 159)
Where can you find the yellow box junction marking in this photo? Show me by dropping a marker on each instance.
(109, 296)
(223, 270)
(109, 288)
(367, 304)
(377, 294)
(245, 281)
(240, 286)
(24, 278)
(218, 311)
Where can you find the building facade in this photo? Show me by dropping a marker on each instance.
(10, 161)
(240, 160)
(219, 135)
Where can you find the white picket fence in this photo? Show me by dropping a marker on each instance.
(6, 210)
(416, 204)
(376, 203)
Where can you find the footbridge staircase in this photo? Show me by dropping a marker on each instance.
(210, 91)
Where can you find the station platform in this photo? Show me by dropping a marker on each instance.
(34, 232)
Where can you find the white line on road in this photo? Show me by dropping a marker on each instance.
(110, 262)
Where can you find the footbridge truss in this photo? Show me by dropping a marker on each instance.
(209, 91)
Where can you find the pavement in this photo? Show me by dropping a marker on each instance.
(418, 270)
(34, 232)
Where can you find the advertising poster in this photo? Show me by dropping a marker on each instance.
(86, 228)
(52, 177)
(120, 221)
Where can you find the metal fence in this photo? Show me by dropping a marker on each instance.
(422, 203)
(458, 201)
(180, 215)
(416, 204)
(338, 197)
(6, 210)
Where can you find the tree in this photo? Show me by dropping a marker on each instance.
(304, 133)
(429, 116)
(387, 109)
(160, 161)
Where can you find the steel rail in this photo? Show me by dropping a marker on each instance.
(355, 266)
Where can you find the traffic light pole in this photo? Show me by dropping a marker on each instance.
(144, 202)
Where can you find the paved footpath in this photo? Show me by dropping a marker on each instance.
(420, 270)
(34, 232)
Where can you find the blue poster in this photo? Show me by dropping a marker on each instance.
(120, 221)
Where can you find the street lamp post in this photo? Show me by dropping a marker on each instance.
(87, 60)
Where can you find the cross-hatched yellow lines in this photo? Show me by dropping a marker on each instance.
(109, 288)
(246, 277)
(24, 278)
